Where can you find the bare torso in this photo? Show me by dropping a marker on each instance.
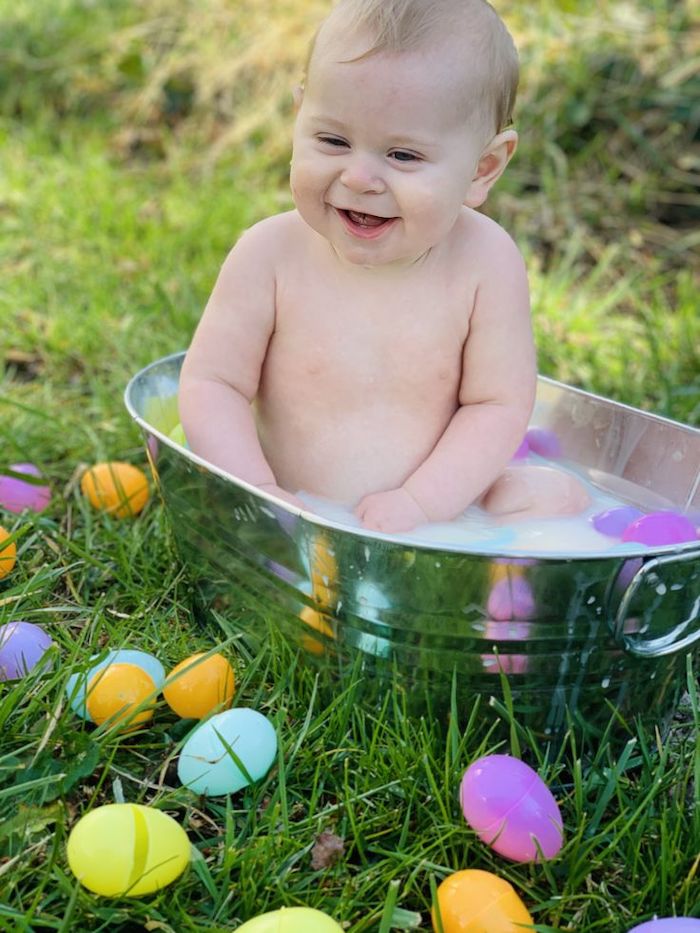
(362, 371)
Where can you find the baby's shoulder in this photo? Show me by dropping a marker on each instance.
(484, 241)
(274, 234)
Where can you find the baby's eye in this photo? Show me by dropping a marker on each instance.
(332, 141)
(401, 155)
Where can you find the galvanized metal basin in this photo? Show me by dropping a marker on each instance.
(576, 637)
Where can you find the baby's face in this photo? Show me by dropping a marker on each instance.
(384, 154)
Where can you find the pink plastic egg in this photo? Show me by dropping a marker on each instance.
(22, 646)
(613, 522)
(659, 528)
(669, 925)
(511, 809)
(16, 495)
(544, 442)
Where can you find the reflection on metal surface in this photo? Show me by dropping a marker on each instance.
(575, 636)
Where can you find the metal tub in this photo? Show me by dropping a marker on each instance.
(574, 639)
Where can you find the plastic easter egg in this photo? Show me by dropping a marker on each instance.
(16, 495)
(669, 925)
(511, 598)
(523, 450)
(8, 554)
(22, 646)
(659, 528)
(117, 488)
(126, 850)
(613, 522)
(77, 685)
(544, 442)
(196, 687)
(178, 435)
(511, 809)
(207, 767)
(474, 901)
(317, 622)
(291, 920)
(115, 692)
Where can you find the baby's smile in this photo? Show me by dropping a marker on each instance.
(367, 226)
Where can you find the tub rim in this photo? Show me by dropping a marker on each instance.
(629, 552)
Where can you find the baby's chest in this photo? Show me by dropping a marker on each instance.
(395, 343)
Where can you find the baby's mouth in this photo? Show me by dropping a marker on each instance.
(365, 220)
(367, 225)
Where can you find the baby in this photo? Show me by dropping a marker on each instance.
(374, 346)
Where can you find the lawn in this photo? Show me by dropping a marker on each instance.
(138, 139)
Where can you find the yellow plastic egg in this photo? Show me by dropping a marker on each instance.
(115, 691)
(8, 554)
(316, 621)
(194, 688)
(117, 488)
(292, 920)
(127, 849)
(474, 901)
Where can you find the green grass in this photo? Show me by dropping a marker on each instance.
(113, 223)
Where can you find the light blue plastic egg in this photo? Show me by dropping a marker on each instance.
(77, 685)
(207, 766)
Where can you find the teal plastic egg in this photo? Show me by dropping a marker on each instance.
(77, 685)
(207, 765)
(292, 920)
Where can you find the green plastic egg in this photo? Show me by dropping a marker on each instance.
(127, 849)
(177, 434)
(292, 920)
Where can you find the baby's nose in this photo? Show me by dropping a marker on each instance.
(361, 174)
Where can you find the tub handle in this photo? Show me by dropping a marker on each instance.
(643, 598)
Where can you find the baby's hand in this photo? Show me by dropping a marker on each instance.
(394, 510)
(276, 490)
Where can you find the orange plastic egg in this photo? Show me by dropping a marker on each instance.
(474, 901)
(8, 554)
(116, 691)
(117, 488)
(196, 687)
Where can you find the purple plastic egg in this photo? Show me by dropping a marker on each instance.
(544, 442)
(613, 522)
(16, 495)
(511, 809)
(669, 925)
(659, 528)
(22, 646)
(522, 451)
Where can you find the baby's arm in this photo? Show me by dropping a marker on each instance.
(496, 396)
(221, 372)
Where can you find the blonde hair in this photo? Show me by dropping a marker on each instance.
(405, 25)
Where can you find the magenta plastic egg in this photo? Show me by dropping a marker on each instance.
(669, 925)
(511, 809)
(659, 528)
(16, 495)
(544, 442)
(22, 646)
(613, 522)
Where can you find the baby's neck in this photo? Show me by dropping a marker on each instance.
(399, 267)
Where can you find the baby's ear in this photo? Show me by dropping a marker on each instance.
(298, 96)
(491, 165)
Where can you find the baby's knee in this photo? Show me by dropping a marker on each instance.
(527, 491)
